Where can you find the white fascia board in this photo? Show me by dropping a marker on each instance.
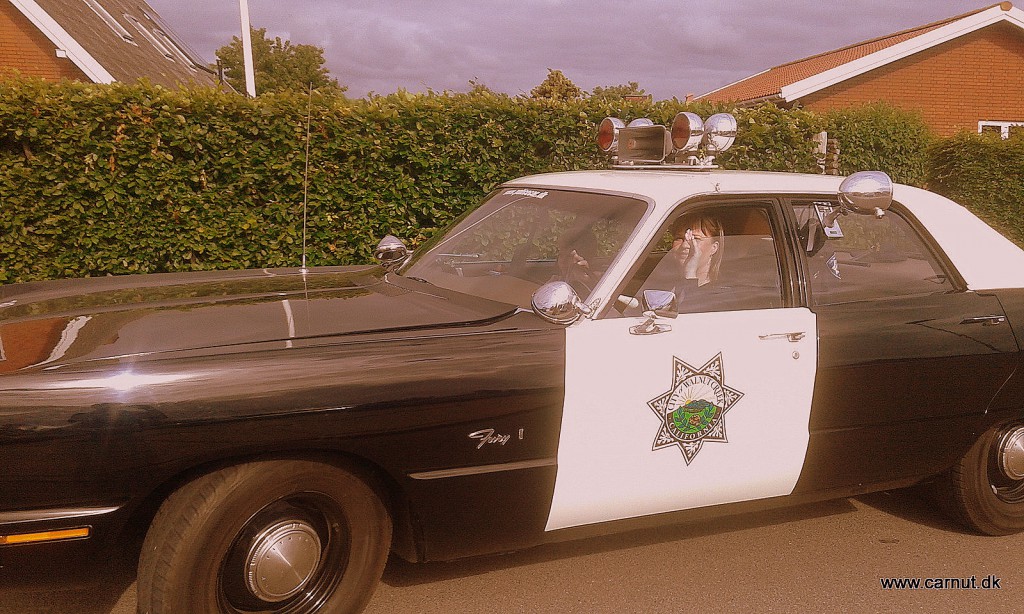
(63, 41)
(870, 62)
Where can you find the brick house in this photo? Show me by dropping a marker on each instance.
(101, 41)
(961, 73)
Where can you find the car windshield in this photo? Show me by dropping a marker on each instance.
(520, 238)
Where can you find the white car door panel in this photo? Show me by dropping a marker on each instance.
(713, 411)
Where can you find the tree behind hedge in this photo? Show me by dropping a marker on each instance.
(279, 65)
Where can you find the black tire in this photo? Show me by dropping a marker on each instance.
(209, 533)
(980, 495)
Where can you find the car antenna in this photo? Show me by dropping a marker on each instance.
(305, 180)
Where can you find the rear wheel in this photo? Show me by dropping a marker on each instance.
(290, 536)
(986, 488)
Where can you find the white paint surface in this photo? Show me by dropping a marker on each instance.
(985, 259)
(607, 467)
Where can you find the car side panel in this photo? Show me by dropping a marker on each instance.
(1009, 402)
(406, 403)
(903, 386)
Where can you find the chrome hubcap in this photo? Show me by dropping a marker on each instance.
(1011, 454)
(282, 559)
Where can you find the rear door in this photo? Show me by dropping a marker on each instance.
(908, 359)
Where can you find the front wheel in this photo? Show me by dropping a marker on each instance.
(986, 488)
(288, 536)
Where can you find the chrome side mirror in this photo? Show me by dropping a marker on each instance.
(557, 302)
(866, 192)
(663, 303)
(391, 252)
(656, 303)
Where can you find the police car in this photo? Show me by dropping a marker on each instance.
(583, 352)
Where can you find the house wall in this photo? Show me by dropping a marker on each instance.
(24, 48)
(954, 85)
(979, 76)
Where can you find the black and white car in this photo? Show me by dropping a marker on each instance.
(624, 346)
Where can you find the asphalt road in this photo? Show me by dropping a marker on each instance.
(827, 556)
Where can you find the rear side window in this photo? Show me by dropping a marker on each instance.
(865, 258)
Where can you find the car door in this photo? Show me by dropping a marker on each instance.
(908, 359)
(707, 408)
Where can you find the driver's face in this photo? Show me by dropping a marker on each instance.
(694, 251)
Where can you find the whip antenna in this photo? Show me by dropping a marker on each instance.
(305, 179)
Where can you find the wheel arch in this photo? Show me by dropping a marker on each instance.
(406, 536)
(975, 492)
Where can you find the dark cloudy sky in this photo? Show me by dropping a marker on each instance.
(671, 47)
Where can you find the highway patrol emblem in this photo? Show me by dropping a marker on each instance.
(693, 411)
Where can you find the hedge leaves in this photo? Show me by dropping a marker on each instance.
(99, 180)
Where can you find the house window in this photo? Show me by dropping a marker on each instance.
(169, 44)
(150, 37)
(170, 41)
(1003, 129)
(110, 21)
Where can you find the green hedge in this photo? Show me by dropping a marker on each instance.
(98, 180)
(985, 174)
(882, 137)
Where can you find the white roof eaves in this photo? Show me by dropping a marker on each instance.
(880, 58)
(63, 40)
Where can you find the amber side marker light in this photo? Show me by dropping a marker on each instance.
(44, 536)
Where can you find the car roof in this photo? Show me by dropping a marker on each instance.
(666, 187)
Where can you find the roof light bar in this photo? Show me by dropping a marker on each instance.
(643, 142)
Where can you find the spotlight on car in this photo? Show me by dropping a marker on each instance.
(687, 131)
(719, 132)
(608, 134)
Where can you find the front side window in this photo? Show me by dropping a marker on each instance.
(521, 238)
(864, 257)
(719, 258)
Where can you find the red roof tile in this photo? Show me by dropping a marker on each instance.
(769, 84)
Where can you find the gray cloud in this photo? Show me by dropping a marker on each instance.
(671, 48)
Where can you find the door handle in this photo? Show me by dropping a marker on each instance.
(792, 337)
(985, 320)
(649, 326)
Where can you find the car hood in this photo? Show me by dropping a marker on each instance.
(47, 325)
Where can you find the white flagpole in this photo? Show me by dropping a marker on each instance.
(250, 73)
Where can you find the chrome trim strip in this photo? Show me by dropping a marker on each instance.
(54, 514)
(479, 469)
